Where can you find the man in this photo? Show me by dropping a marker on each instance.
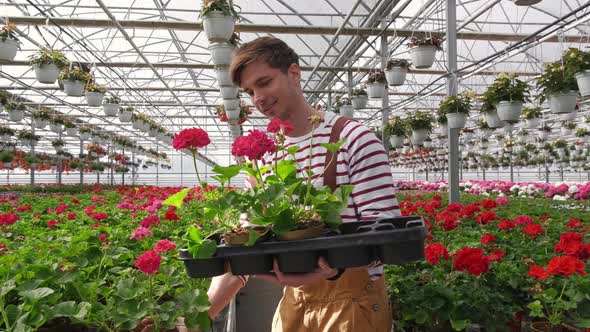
(268, 70)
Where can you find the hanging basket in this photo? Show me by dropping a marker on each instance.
(508, 127)
(125, 117)
(8, 49)
(218, 26)
(376, 90)
(6, 138)
(84, 136)
(221, 53)
(347, 110)
(74, 88)
(396, 76)
(359, 102)
(566, 132)
(568, 116)
(235, 130)
(56, 127)
(423, 56)
(137, 124)
(94, 99)
(40, 123)
(72, 132)
(526, 2)
(456, 120)
(396, 141)
(232, 114)
(46, 74)
(583, 79)
(153, 132)
(231, 104)
(533, 123)
(111, 109)
(16, 115)
(443, 129)
(509, 110)
(228, 92)
(493, 120)
(563, 102)
(419, 136)
(223, 77)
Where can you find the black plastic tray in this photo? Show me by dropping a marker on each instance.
(393, 241)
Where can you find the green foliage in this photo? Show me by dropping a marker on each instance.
(420, 120)
(426, 40)
(395, 127)
(397, 63)
(46, 56)
(112, 100)
(376, 76)
(211, 6)
(507, 87)
(74, 73)
(532, 112)
(556, 79)
(359, 92)
(456, 104)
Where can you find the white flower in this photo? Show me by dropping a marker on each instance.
(514, 188)
(485, 193)
(501, 195)
(573, 189)
(559, 198)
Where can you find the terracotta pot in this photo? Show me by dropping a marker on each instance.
(543, 326)
(239, 239)
(315, 230)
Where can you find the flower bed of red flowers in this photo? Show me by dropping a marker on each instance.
(491, 261)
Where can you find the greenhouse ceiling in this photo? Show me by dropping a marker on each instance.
(155, 57)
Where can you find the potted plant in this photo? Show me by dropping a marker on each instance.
(467, 134)
(359, 98)
(423, 50)
(97, 167)
(490, 114)
(343, 105)
(85, 133)
(48, 64)
(396, 130)
(484, 127)
(582, 135)
(396, 71)
(40, 118)
(221, 51)
(236, 116)
(95, 94)
(56, 124)
(27, 137)
(111, 105)
(223, 77)
(16, 111)
(376, 84)
(509, 126)
(532, 116)
(219, 17)
(578, 63)
(71, 129)
(58, 144)
(125, 114)
(6, 134)
(74, 80)
(509, 94)
(420, 123)
(559, 87)
(544, 132)
(9, 43)
(6, 158)
(32, 160)
(456, 109)
(121, 169)
(567, 128)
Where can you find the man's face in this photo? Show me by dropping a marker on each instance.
(271, 90)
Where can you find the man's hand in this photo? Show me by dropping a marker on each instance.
(323, 271)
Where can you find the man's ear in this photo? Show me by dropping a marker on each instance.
(295, 72)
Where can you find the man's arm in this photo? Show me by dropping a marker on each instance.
(221, 291)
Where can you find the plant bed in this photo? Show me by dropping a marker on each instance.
(395, 241)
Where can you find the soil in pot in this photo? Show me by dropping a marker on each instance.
(239, 236)
(306, 230)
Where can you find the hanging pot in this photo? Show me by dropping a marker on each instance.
(566, 132)
(125, 116)
(72, 132)
(526, 2)
(456, 120)
(232, 114)
(111, 109)
(228, 92)
(563, 102)
(376, 90)
(508, 127)
(221, 53)
(8, 49)
(396, 76)
(359, 102)
(231, 104)
(509, 110)
(568, 116)
(94, 99)
(59, 148)
(543, 135)
(396, 141)
(218, 26)
(46, 74)
(74, 88)
(423, 56)
(146, 127)
(137, 124)
(16, 115)
(532, 123)
(153, 132)
(84, 136)
(40, 123)
(583, 79)
(493, 120)
(6, 138)
(347, 110)
(419, 135)
(223, 77)
(56, 127)
(235, 130)
(443, 129)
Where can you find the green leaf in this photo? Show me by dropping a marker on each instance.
(286, 168)
(7, 287)
(284, 222)
(459, 325)
(421, 317)
(37, 294)
(71, 309)
(176, 199)
(127, 289)
(226, 173)
(536, 309)
(205, 249)
(253, 236)
(292, 150)
(333, 147)
(194, 235)
(584, 323)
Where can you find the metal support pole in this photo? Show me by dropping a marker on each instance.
(133, 168)
(157, 166)
(329, 106)
(385, 100)
(123, 173)
(81, 167)
(510, 159)
(32, 155)
(452, 91)
(111, 171)
(182, 169)
(561, 171)
(483, 172)
(59, 168)
(427, 174)
(546, 173)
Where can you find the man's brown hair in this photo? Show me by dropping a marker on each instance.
(275, 52)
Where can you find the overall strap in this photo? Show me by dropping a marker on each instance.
(330, 171)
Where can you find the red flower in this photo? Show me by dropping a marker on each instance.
(455, 207)
(99, 216)
(71, 215)
(3, 249)
(470, 210)
(61, 209)
(52, 223)
(437, 198)
(254, 146)
(74, 201)
(487, 238)
(102, 237)
(538, 272)
(140, 233)
(533, 230)
(164, 245)
(170, 215)
(148, 262)
(23, 208)
(277, 125)
(435, 251)
(506, 225)
(150, 221)
(574, 223)
(496, 255)
(88, 211)
(191, 138)
(570, 243)
(471, 260)
(565, 266)
(486, 217)
(523, 220)
(96, 225)
(8, 219)
(488, 204)
(544, 217)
